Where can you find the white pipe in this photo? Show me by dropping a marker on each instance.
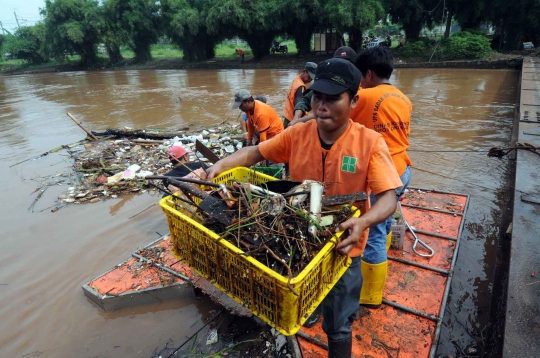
(315, 200)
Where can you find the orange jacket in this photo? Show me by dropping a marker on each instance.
(288, 110)
(387, 110)
(358, 160)
(265, 121)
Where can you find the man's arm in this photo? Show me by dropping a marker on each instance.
(245, 157)
(354, 227)
(303, 105)
(302, 119)
(263, 125)
(298, 95)
(250, 130)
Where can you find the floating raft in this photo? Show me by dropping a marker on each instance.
(153, 274)
(141, 279)
(408, 322)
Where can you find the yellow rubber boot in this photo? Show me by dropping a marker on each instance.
(372, 287)
(388, 241)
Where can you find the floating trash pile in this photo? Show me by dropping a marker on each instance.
(113, 167)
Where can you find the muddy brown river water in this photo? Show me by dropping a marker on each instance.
(45, 257)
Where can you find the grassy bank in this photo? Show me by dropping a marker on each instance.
(225, 52)
(169, 57)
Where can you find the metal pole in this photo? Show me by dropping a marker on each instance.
(161, 267)
(16, 19)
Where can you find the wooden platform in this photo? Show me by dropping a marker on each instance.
(408, 323)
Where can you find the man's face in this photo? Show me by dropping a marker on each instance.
(332, 111)
(305, 76)
(246, 106)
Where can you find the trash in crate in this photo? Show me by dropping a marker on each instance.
(398, 229)
(250, 222)
(284, 231)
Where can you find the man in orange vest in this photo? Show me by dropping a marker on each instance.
(296, 90)
(263, 122)
(385, 109)
(240, 53)
(303, 105)
(348, 157)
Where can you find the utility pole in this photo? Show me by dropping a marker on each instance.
(2, 27)
(19, 26)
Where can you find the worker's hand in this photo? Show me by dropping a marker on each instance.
(353, 230)
(214, 171)
(294, 121)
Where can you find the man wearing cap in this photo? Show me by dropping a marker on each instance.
(179, 158)
(348, 158)
(303, 105)
(297, 89)
(244, 118)
(262, 120)
(385, 109)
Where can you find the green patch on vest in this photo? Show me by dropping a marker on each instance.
(348, 164)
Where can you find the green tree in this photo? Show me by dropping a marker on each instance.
(353, 17)
(412, 15)
(515, 23)
(26, 44)
(71, 26)
(299, 19)
(110, 31)
(253, 21)
(134, 22)
(185, 24)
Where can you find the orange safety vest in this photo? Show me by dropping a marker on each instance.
(288, 110)
(265, 121)
(386, 110)
(358, 160)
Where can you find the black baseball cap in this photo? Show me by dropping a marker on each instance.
(335, 76)
(346, 53)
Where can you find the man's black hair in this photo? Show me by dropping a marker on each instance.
(377, 59)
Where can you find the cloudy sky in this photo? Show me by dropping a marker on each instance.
(27, 12)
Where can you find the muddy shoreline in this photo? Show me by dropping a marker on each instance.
(496, 61)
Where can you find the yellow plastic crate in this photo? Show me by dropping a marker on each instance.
(252, 284)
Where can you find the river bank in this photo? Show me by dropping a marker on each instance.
(277, 61)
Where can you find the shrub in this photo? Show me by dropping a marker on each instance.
(464, 45)
(25, 44)
(414, 49)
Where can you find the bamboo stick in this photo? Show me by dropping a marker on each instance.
(80, 125)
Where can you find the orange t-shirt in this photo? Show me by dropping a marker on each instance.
(288, 110)
(265, 120)
(240, 52)
(358, 160)
(386, 110)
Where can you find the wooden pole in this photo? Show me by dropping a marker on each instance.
(80, 125)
